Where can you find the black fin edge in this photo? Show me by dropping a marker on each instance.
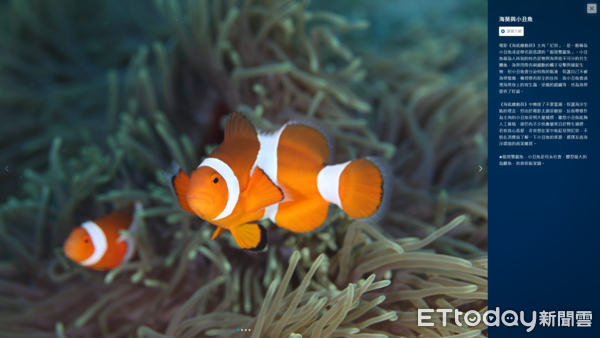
(263, 239)
(387, 186)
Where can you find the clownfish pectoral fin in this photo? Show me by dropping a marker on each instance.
(179, 184)
(217, 233)
(261, 192)
(250, 236)
(239, 128)
(287, 195)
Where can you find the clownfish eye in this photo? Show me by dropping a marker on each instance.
(216, 180)
(87, 240)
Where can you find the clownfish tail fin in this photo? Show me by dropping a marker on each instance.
(250, 236)
(179, 182)
(361, 188)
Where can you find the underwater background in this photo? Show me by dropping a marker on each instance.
(97, 98)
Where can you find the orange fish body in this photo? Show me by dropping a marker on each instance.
(98, 244)
(281, 176)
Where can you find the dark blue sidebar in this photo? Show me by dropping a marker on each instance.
(544, 151)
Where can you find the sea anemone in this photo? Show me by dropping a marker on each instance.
(423, 111)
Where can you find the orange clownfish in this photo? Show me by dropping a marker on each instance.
(98, 244)
(281, 176)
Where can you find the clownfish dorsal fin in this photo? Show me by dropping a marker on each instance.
(238, 127)
(261, 192)
(180, 183)
(217, 233)
(250, 236)
(306, 141)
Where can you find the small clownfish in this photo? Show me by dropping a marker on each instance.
(281, 176)
(98, 244)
